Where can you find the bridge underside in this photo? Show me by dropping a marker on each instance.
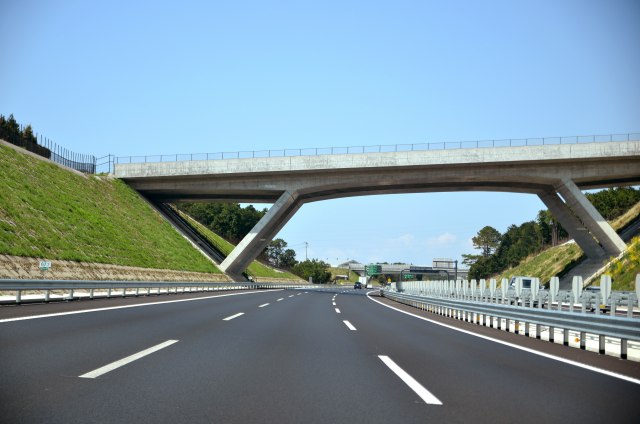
(564, 199)
(557, 183)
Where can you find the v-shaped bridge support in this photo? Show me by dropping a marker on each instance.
(261, 235)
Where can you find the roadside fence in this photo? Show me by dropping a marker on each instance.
(46, 148)
(600, 312)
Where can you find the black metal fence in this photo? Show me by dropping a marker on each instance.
(46, 148)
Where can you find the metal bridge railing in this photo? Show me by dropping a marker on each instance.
(380, 148)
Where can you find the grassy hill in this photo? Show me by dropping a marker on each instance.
(49, 212)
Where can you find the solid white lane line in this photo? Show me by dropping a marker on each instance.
(233, 316)
(262, 306)
(410, 381)
(126, 306)
(117, 364)
(337, 311)
(282, 298)
(526, 349)
(349, 326)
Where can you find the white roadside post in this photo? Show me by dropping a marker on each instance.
(554, 286)
(518, 299)
(503, 289)
(535, 285)
(492, 292)
(576, 291)
(605, 293)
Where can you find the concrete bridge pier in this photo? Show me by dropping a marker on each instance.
(574, 227)
(611, 242)
(260, 235)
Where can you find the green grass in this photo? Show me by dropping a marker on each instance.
(256, 268)
(48, 212)
(547, 264)
(623, 272)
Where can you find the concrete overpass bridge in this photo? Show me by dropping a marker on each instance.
(450, 273)
(555, 173)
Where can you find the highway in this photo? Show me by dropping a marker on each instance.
(284, 356)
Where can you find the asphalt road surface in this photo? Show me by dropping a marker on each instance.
(283, 357)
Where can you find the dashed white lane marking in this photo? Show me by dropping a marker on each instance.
(333, 303)
(299, 294)
(282, 298)
(349, 326)
(291, 296)
(117, 364)
(262, 306)
(337, 311)
(424, 394)
(233, 316)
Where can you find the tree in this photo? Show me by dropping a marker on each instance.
(469, 259)
(318, 270)
(279, 256)
(288, 259)
(487, 240)
(228, 220)
(613, 202)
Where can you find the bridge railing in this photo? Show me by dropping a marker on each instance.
(380, 148)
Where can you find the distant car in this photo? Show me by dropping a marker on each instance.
(357, 285)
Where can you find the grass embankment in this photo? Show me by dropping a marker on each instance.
(353, 277)
(557, 260)
(256, 268)
(623, 272)
(546, 264)
(48, 212)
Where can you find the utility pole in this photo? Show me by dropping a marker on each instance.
(306, 248)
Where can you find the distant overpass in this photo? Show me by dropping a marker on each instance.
(556, 173)
(396, 269)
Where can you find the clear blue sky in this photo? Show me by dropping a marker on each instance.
(136, 78)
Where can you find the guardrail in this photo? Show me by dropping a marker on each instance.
(379, 148)
(599, 298)
(546, 310)
(70, 288)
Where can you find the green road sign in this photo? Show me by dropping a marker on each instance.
(373, 269)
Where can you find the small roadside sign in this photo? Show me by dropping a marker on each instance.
(45, 265)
